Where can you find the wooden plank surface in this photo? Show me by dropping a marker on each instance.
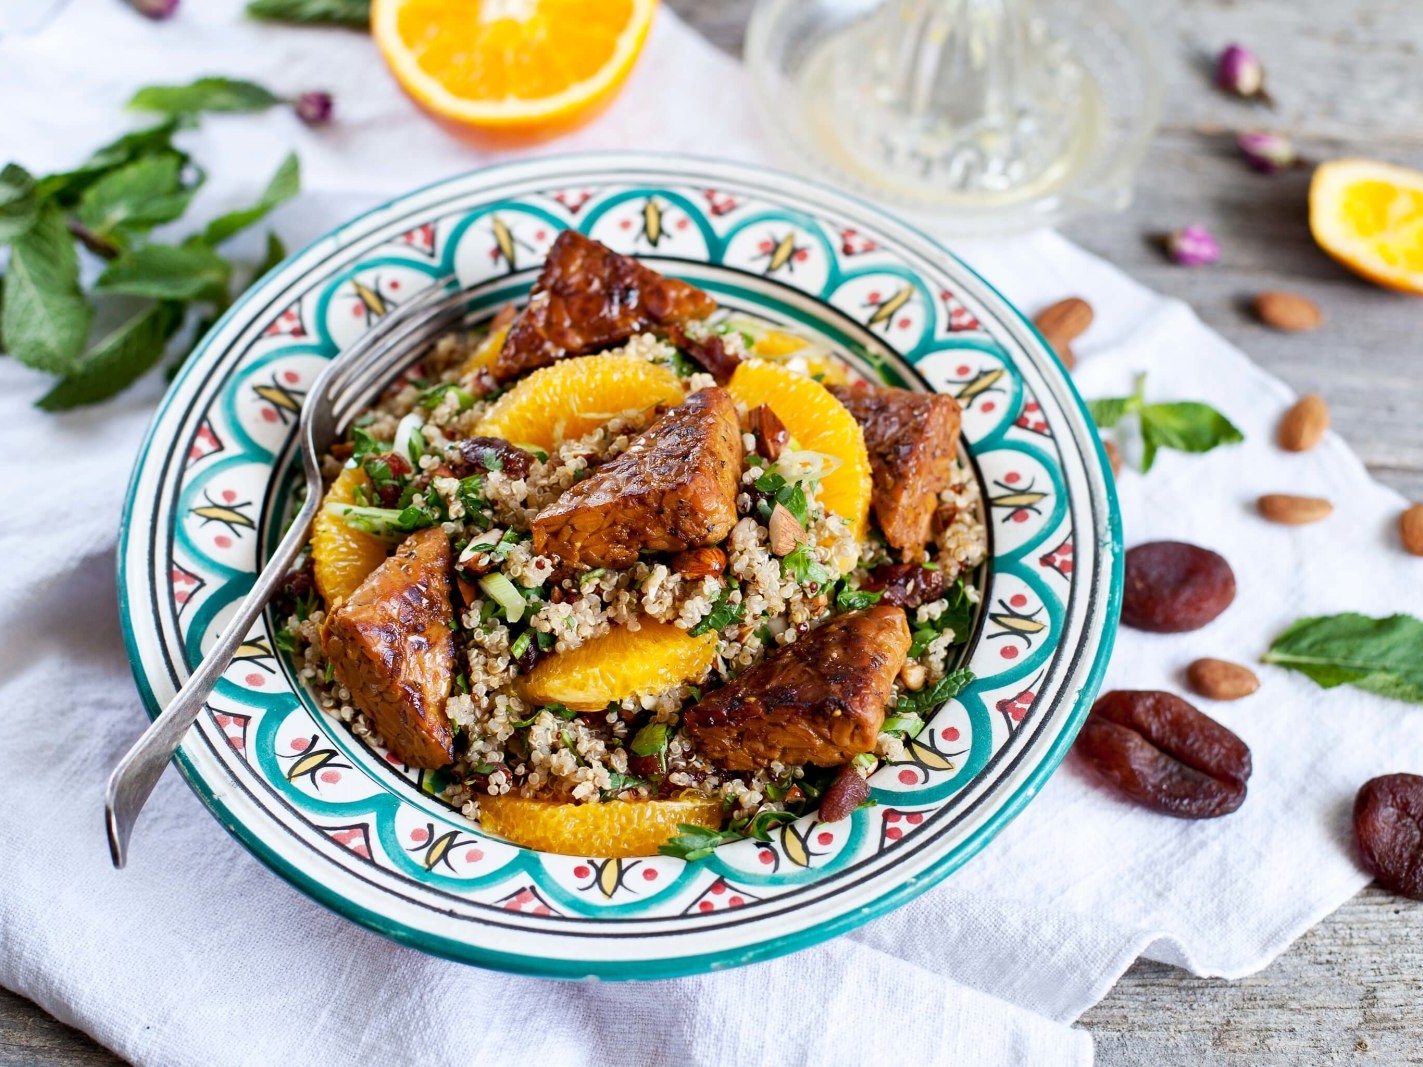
(1347, 77)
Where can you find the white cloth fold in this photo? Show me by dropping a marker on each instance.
(196, 953)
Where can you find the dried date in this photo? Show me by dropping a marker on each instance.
(1163, 753)
(710, 353)
(906, 585)
(769, 431)
(1172, 587)
(846, 792)
(475, 454)
(1388, 826)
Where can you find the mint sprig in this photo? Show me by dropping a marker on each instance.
(353, 13)
(1383, 656)
(107, 208)
(1183, 426)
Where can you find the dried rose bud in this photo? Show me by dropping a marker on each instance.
(1239, 70)
(1192, 246)
(155, 9)
(1267, 152)
(314, 108)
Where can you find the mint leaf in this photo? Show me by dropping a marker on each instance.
(723, 612)
(924, 702)
(276, 252)
(136, 197)
(285, 184)
(1107, 412)
(847, 599)
(802, 565)
(117, 360)
(168, 272)
(1383, 656)
(356, 13)
(19, 206)
(1186, 426)
(67, 185)
(205, 94)
(695, 842)
(45, 318)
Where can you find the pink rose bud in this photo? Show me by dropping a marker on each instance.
(314, 108)
(1267, 152)
(1192, 246)
(1238, 70)
(155, 9)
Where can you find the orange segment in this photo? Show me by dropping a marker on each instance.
(342, 557)
(519, 65)
(574, 396)
(781, 347)
(484, 356)
(612, 829)
(819, 423)
(621, 663)
(1369, 216)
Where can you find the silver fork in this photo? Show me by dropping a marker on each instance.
(344, 386)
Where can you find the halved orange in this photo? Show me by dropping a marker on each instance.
(524, 66)
(612, 829)
(1369, 216)
(341, 557)
(819, 423)
(621, 663)
(573, 396)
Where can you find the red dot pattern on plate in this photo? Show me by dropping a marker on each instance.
(473, 855)
(824, 838)
(255, 679)
(420, 835)
(736, 902)
(767, 856)
(269, 415)
(300, 744)
(649, 874)
(894, 833)
(581, 871)
(908, 777)
(718, 888)
(963, 370)
(291, 376)
(706, 905)
(330, 777)
(1018, 600)
(951, 733)
(989, 407)
(1008, 652)
(222, 541)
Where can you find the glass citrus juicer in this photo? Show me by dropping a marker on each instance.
(975, 117)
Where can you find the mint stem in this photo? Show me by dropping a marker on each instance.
(92, 241)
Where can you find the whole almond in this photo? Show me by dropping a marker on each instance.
(1065, 353)
(1293, 510)
(1304, 424)
(1114, 457)
(1220, 679)
(1288, 311)
(785, 531)
(1064, 321)
(1410, 528)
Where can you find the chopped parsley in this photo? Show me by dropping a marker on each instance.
(805, 568)
(462, 683)
(432, 398)
(285, 640)
(652, 740)
(848, 599)
(723, 612)
(364, 444)
(694, 843)
(958, 617)
(923, 703)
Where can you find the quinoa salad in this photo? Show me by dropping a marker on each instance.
(607, 550)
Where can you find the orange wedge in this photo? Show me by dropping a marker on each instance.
(612, 829)
(819, 423)
(483, 357)
(519, 66)
(621, 663)
(341, 557)
(566, 400)
(1369, 216)
(779, 346)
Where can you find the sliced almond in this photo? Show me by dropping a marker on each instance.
(1220, 679)
(1289, 312)
(1293, 510)
(785, 530)
(1304, 424)
(1410, 529)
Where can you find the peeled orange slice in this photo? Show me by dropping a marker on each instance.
(483, 357)
(1369, 216)
(573, 396)
(526, 66)
(621, 663)
(819, 423)
(780, 347)
(612, 829)
(340, 556)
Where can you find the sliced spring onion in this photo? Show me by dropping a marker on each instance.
(806, 466)
(498, 588)
(409, 441)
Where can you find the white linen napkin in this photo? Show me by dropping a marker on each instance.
(196, 953)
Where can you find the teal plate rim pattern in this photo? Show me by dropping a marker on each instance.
(369, 837)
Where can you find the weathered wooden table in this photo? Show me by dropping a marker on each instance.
(1348, 78)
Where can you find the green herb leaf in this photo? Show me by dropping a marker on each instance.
(652, 739)
(189, 271)
(1186, 426)
(45, 319)
(723, 613)
(19, 206)
(117, 360)
(802, 565)
(907, 725)
(792, 498)
(1383, 656)
(285, 184)
(285, 640)
(136, 197)
(276, 252)
(387, 523)
(205, 94)
(764, 822)
(66, 186)
(694, 843)
(847, 599)
(958, 617)
(354, 13)
(1107, 412)
(924, 702)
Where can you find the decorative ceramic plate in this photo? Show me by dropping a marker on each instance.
(370, 838)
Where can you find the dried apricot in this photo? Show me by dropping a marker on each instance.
(1172, 587)
(1388, 825)
(1164, 754)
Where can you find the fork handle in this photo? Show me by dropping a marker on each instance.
(138, 772)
